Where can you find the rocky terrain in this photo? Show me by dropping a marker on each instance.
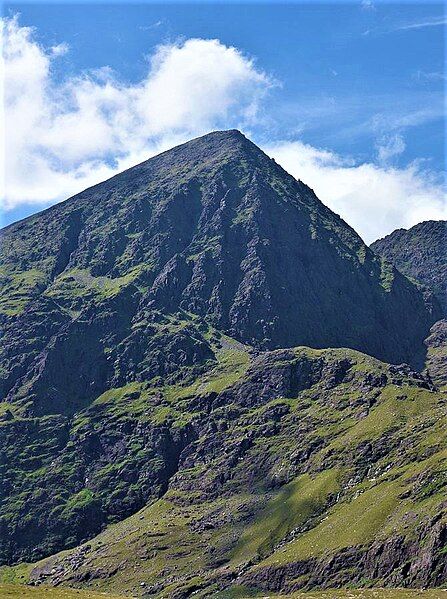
(420, 253)
(300, 468)
(163, 429)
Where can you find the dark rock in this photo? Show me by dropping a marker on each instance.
(420, 253)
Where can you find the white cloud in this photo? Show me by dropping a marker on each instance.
(62, 137)
(390, 146)
(368, 5)
(373, 199)
(60, 49)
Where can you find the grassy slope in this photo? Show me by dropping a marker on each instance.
(340, 501)
(373, 511)
(292, 507)
(22, 592)
(11, 591)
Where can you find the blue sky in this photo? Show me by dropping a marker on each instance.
(340, 93)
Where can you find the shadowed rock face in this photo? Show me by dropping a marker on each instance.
(436, 362)
(420, 253)
(213, 227)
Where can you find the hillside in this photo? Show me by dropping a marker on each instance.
(171, 419)
(300, 468)
(420, 253)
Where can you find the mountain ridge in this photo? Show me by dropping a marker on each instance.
(233, 134)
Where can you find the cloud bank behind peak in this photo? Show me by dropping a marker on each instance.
(62, 136)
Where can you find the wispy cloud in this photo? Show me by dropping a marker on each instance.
(342, 118)
(429, 22)
(60, 49)
(389, 147)
(429, 76)
(368, 5)
(437, 21)
(154, 25)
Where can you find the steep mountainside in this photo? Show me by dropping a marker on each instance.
(213, 227)
(436, 360)
(420, 253)
(295, 468)
(140, 369)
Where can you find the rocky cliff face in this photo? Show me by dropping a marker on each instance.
(436, 361)
(139, 366)
(214, 228)
(293, 469)
(420, 253)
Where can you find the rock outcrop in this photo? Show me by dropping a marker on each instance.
(420, 253)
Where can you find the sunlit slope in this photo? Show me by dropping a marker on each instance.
(311, 468)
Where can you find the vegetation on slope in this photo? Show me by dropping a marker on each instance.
(420, 253)
(140, 437)
(304, 468)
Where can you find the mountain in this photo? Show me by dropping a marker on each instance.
(215, 228)
(420, 253)
(273, 471)
(149, 361)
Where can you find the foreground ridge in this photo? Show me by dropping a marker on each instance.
(300, 468)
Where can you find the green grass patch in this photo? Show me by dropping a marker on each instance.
(18, 288)
(80, 283)
(292, 507)
(355, 522)
(395, 407)
(11, 591)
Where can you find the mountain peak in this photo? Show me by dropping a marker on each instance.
(231, 138)
(202, 154)
(216, 144)
(233, 134)
(217, 228)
